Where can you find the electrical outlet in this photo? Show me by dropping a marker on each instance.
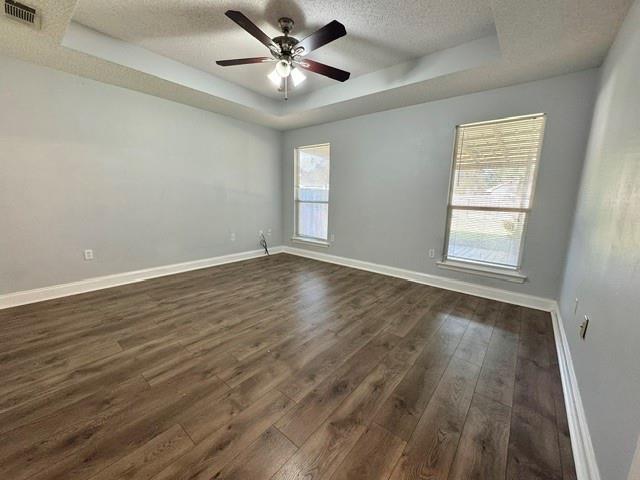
(332, 238)
(268, 232)
(232, 236)
(88, 254)
(432, 253)
(583, 327)
(575, 306)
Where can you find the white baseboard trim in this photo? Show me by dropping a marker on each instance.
(583, 453)
(428, 279)
(97, 283)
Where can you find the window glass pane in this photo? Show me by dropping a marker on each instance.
(312, 185)
(495, 163)
(486, 236)
(313, 219)
(312, 194)
(313, 167)
(488, 186)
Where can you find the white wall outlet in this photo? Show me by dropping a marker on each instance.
(432, 253)
(575, 306)
(88, 254)
(332, 238)
(268, 232)
(232, 236)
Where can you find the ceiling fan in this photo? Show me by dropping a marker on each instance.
(288, 53)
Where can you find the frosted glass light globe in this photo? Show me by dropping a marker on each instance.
(275, 78)
(297, 76)
(283, 68)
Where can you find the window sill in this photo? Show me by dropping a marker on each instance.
(486, 271)
(310, 241)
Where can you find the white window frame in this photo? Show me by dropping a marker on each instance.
(503, 272)
(320, 242)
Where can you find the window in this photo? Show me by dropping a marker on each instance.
(312, 192)
(492, 184)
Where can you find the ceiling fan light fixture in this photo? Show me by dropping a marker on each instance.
(283, 68)
(275, 78)
(297, 77)
(286, 51)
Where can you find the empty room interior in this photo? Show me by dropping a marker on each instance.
(320, 240)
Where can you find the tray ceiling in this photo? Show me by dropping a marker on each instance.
(379, 33)
(400, 53)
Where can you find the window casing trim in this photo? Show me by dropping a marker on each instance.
(508, 274)
(472, 266)
(297, 237)
(310, 241)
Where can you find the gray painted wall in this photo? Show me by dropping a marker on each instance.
(603, 266)
(142, 181)
(390, 177)
(147, 182)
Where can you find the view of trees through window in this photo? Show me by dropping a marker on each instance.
(312, 192)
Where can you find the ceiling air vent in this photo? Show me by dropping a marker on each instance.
(22, 13)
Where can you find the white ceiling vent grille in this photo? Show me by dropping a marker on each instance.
(21, 13)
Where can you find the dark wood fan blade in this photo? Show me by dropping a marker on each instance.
(244, 61)
(252, 29)
(326, 70)
(330, 32)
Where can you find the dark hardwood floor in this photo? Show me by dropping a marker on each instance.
(280, 368)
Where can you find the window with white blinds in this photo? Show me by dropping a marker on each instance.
(312, 192)
(492, 184)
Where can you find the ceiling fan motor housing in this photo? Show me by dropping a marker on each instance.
(286, 25)
(285, 42)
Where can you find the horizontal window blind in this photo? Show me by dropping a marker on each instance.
(494, 171)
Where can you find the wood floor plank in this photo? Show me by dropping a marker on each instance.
(185, 363)
(318, 404)
(213, 453)
(55, 363)
(562, 425)
(261, 459)
(475, 342)
(431, 448)
(373, 457)
(534, 388)
(482, 450)
(98, 445)
(534, 339)
(533, 447)
(34, 446)
(402, 410)
(498, 375)
(322, 453)
(24, 406)
(297, 386)
(151, 458)
(418, 303)
(196, 376)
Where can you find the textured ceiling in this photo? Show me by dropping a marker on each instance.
(379, 33)
(533, 39)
